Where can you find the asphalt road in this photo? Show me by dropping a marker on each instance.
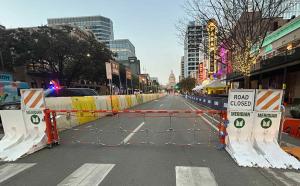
(159, 152)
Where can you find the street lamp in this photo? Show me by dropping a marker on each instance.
(88, 55)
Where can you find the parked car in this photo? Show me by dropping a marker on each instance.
(72, 92)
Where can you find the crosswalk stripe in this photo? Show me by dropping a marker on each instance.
(11, 169)
(194, 176)
(88, 174)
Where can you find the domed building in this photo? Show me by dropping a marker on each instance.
(172, 82)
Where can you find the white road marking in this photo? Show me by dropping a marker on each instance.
(194, 176)
(293, 175)
(88, 174)
(208, 122)
(282, 180)
(161, 105)
(212, 125)
(11, 169)
(132, 133)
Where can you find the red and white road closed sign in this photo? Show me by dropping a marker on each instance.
(268, 100)
(241, 99)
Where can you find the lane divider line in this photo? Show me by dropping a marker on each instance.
(132, 133)
(192, 107)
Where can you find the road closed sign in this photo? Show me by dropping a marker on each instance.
(241, 99)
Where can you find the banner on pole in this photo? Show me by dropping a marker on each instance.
(128, 73)
(108, 70)
(115, 68)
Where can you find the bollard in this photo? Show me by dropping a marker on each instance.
(222, 130)
(48, 128)
(54, 129)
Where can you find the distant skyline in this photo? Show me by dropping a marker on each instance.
(149, 25)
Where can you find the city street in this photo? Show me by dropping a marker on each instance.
(155, 156)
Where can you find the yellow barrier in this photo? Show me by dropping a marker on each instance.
(128, 100)
(84, 103)
(133, 100)
(122, 102)
(115, 102)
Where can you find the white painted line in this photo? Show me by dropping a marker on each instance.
(293, 175)
(161, 105)
(11, 169)
(276, 176)
(194, 176)
(208, 122)
(88, 174)
(132, 133)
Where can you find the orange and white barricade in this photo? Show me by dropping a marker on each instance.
(24, 129)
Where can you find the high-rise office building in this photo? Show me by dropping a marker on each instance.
(123, 48)
(102, 27)
(193, 50)
(182, 66)
(292, 7)
(293, 11)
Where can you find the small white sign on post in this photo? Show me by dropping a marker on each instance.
(241, 99)
(108, 70)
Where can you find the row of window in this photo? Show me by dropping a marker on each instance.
(193, 59)
(79, 19)
(193, 68)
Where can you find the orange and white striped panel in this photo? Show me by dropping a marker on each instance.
(268, 100)
(33, 99)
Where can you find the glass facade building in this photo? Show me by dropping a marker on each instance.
(123, 48)
(293, 11)
(102, 27)
(195, 36)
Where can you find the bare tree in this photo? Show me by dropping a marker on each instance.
(242, 26)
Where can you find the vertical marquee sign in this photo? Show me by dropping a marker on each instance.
(212, 46)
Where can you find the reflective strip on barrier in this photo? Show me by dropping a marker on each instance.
(268, 100)
(33, 99)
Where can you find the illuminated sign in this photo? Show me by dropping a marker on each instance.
(212, 48)
(201, 71)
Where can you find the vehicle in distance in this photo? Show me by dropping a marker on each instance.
(72, 92)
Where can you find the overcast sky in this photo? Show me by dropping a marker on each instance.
(148, 24)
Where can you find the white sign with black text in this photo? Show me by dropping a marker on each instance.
(241, 99)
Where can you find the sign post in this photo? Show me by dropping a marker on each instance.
(116, 71)
(109, 76)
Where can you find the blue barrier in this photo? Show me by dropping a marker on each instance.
(217, 103)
